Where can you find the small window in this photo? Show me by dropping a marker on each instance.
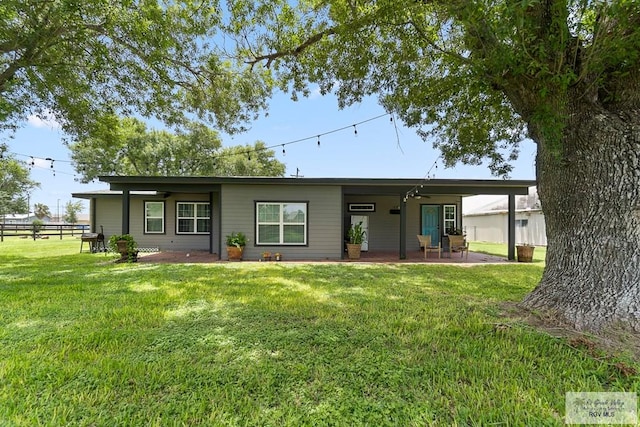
(193, 218)
(279, 223)
(362, 207)
(450, 222)
(154, 217)
(522, 222)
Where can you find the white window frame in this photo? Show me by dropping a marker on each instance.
(195, 217)
(147, 217)
(446, 221)
(281, 224)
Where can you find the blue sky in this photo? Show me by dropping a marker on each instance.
(376, 151)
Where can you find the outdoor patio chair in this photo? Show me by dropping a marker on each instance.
(425, 242)
(459, 244)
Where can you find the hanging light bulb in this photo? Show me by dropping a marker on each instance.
(318, 140)
(283, 152)
(355, 130)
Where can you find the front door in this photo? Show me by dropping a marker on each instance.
(430, 219)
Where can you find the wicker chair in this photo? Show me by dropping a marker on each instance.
(458, 244)
(425, 242)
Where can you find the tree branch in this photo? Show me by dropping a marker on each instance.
(269, 58)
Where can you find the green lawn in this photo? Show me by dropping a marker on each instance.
(84, 341)
(500, 249)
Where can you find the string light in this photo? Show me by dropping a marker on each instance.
(415, 191)
(248, 152)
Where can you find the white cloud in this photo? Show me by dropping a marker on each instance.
(315, 93)
(45, 120)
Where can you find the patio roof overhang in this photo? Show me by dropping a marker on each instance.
(391, 186)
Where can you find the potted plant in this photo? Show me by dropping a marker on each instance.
(525, 252)
(355, 237)
(235, 245)
(278, 256)
(266, 255)
(125, 245)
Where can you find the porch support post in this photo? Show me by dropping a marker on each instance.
(511, 228)
(125, 211)
(92, 212)
(211, 228)
(403, 228)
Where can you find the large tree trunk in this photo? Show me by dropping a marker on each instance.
(590, 197)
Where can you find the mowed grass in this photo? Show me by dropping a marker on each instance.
(500, 249)
(84, 341)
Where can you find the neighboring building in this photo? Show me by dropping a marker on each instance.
(84, 218)
(302, 218)
(490, 223)
(22, 219)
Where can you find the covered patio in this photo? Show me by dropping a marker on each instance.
(390, 257)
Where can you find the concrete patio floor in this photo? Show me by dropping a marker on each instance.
(366, 257)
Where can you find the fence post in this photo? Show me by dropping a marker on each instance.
(2, 232)
(60, 232)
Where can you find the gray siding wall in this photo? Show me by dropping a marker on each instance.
(384, 227)
(109, 214)
(324, 218)
(414, 221)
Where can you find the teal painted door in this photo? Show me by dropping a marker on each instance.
(430, 220)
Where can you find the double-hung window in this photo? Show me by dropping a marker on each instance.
(154, 217)
(193, 218)
(281, 223)
(449, 218)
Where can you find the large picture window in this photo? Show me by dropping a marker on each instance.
(193, 218)
(281, 223)
(154, 217)
(449, 218)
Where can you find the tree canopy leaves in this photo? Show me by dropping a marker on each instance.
(478, 76)
(79, 61)
(40, 210)
(71, 211)
(15, 184)
(127, 147)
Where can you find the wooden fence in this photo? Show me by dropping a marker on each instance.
(43, 231)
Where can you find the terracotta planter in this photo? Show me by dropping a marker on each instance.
(525, 253)
(353, 250)
(234, 253)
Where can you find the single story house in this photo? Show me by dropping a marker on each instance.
(302, 218)
(22, 219)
